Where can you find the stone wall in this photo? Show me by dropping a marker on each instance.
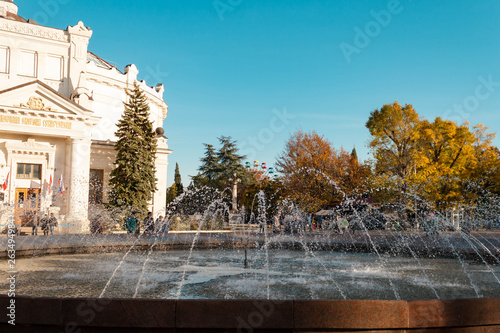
(140, 315)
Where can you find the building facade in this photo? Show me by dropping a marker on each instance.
(59, 105)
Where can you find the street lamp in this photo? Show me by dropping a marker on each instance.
(235, 180)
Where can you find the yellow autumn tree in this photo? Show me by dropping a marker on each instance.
(446, 158)
(439, 163)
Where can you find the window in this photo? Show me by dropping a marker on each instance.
(54, 68)
(28, 63)
(4, 59)
(29, 171)
(96, 186)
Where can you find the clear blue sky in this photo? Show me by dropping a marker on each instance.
(230, 66)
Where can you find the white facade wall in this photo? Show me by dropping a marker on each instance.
(53, 98)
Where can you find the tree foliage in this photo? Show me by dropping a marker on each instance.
(441, 163)
(218, 168)
(314, 173)
(395, 133)
(133, 179)
(178, 180)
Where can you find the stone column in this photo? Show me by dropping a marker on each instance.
(79, 186)
(161, 163)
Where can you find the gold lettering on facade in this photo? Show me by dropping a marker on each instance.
(57, 124)
(35, 122)
(10, 119)
(32, 121)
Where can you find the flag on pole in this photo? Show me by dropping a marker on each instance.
(50, 185)
(61, 184)
(6, 182)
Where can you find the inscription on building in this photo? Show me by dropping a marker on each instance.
(35, 122)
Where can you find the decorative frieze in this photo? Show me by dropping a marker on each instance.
(34, 30)
(35, 103)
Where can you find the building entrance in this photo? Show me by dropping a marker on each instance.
(27, 203)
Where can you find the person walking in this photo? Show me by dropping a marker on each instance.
(35, 220)
(163, 225)
(131, 223)
(52, 223)
(276, 223)
(158, 224)
(44, 223)
(342, 224)
(149, 224)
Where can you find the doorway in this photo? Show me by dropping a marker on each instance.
(27, 203)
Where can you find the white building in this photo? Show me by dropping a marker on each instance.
(59, 105)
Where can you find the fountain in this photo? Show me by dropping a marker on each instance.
(232, 279)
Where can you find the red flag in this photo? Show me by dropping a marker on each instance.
(50, 185)
(6, 182)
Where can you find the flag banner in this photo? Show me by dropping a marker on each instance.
(50, 185)
(6, 182)
(61, 184)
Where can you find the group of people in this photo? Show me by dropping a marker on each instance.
(291, 224)
(151, 226)
(46, 223)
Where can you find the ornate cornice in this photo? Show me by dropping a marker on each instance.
(29, 147)
(34, 30)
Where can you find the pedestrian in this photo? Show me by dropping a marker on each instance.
(52, 223)
(149, 224)
(131, 223)
(96, 226)
(35, 220)
(309, 221)
(342, 224)
(164, 226)
(159, 223)
(276, 223)
(44, 223)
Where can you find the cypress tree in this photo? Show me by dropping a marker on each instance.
(133, 180)
(172, 193)
(177, 180)
(354, 154)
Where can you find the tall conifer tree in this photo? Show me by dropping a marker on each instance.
(209, 164)
(177, 180)
(133, 180)
(230, 162)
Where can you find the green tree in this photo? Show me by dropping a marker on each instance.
(229, 161)
(209, 167)
(217, 167)
(177, 180)
(172, 193)
(354, 155)
(133, 179)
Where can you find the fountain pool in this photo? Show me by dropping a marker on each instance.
(220, 274)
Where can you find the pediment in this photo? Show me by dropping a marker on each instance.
(37, 97)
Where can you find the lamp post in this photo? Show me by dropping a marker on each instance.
(235, 180)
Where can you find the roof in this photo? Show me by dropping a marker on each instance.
(324, 212)
(46, 86)
(353, 202)
(100, 62)
(14, 17)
